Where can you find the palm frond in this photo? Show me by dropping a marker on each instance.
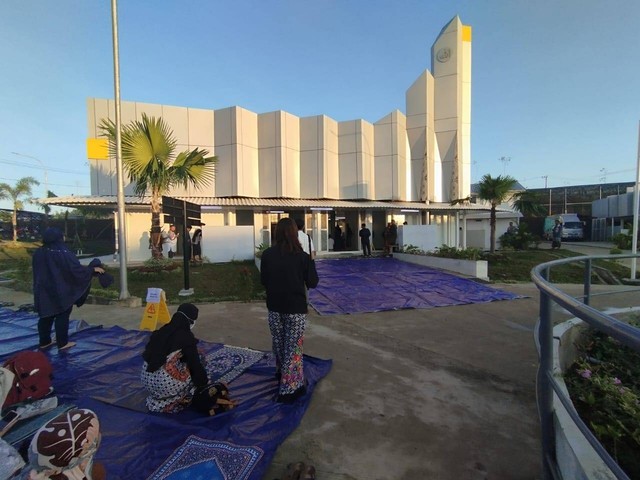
(194, 168)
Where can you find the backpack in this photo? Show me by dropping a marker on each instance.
(33, 373)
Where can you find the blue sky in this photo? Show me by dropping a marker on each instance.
(556, 84)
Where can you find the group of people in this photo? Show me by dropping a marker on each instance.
(341, 238)
(173, 371)
(192, 244)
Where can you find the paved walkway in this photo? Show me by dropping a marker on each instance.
(446, 393)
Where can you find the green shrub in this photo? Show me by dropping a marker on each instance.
(260, 249)
(413, 250)
(615, 251)
(460, 253)
(622, 241)
(523, 239)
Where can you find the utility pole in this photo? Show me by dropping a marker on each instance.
(122, 243)
(504, 161)
(545, 180)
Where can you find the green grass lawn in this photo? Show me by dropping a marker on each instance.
(515, 266)
(240, 281)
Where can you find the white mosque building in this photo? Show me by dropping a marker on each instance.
(406, 166)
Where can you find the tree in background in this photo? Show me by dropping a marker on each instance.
(528, 204)
(148, 156)
(495, 191)
(18, 195)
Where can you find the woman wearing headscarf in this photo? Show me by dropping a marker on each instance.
(285, 271)
(172, 369)
(64, 447)
(59, 283)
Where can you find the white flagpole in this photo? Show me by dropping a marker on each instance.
(634, 241)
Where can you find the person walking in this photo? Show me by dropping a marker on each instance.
(556, 235)
(285, 271)
(365, 240)
(59, 283)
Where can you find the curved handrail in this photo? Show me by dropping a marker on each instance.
(547, 384)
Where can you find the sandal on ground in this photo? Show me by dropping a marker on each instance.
(294, 471)
(309, 473)
(48, 345)
(67, 346)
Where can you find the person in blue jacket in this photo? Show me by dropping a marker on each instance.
(59, 283)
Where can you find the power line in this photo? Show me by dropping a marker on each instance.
(38, 167)
(51, 184)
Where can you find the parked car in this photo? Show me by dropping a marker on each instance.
(572, 226)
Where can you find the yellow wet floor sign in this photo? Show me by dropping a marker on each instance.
(156, 311)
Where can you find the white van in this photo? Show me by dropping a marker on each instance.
(572, 226)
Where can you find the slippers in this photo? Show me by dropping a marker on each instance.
(67, 346)
(48, 345)
(294, 471)
(309, 473)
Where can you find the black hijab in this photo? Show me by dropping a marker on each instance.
(173, 336)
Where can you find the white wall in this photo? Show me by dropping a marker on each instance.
(425, 237)
(223, 244)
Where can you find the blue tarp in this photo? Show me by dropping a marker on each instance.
(102, 373)
(360, 285)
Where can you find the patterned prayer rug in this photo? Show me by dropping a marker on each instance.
(210, 459)
(227, 363)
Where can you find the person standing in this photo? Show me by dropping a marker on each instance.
(337, 238)
(556, 235)
(306, 242)
(365, 240)
(171, 241)
(59, 282)
(197, 245)
(285, 271)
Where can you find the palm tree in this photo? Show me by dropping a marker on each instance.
(527, 203)
(22, 189)
(495, 191)
(148, 156)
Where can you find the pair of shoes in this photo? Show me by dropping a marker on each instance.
(48, 345)
(289, 398)
(67, 346)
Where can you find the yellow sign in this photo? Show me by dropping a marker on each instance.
(156, 310)
(98, 148)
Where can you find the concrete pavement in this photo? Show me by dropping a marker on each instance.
(445, 393)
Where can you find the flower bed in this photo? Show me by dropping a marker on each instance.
(599, 375)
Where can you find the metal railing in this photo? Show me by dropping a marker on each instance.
(546, 383)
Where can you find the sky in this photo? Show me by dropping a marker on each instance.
(555, 83)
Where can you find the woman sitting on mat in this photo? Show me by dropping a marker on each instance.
(172, 368)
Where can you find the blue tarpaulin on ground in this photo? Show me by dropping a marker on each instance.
(102, 373)
(359, 285)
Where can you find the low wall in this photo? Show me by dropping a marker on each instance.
(472, 268)
(576, 457)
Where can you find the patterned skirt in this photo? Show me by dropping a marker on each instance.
(170, 387)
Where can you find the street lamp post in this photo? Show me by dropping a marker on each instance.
(44, 167)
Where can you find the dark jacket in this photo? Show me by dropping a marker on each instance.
(285, 276)
(59, 280)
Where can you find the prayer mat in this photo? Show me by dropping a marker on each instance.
(227, 363)
(211, 459)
